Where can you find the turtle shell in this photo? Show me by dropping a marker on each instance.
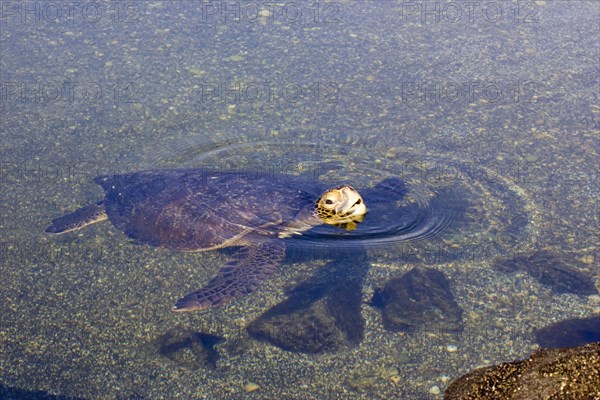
(194, 209)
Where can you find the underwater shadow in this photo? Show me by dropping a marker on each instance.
(11, 393)
(322, 314)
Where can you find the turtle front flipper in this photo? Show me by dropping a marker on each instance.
(78, 219)
(241, 274)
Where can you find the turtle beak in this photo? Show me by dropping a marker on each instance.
(353, 207)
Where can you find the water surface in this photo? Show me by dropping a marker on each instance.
(489, 115)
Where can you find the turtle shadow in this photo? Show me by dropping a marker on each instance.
(322, 314)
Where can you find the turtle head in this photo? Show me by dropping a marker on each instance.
(341, 206)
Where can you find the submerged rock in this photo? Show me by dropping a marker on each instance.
(551, 269)
(568, 373)
(570, 333)
(421, 299)
(187, 348)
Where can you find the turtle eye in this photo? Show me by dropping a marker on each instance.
(329, 201)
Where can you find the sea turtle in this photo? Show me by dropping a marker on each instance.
(197, 210)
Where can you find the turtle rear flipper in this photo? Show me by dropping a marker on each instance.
(241, 274)
(78, 219)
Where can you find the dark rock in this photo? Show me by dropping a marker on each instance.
(552, 269)
(188, 349)
(568, 373)
(314, 319)
(422, 299)
(570, 333)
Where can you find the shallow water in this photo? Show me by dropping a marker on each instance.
(489, 115)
